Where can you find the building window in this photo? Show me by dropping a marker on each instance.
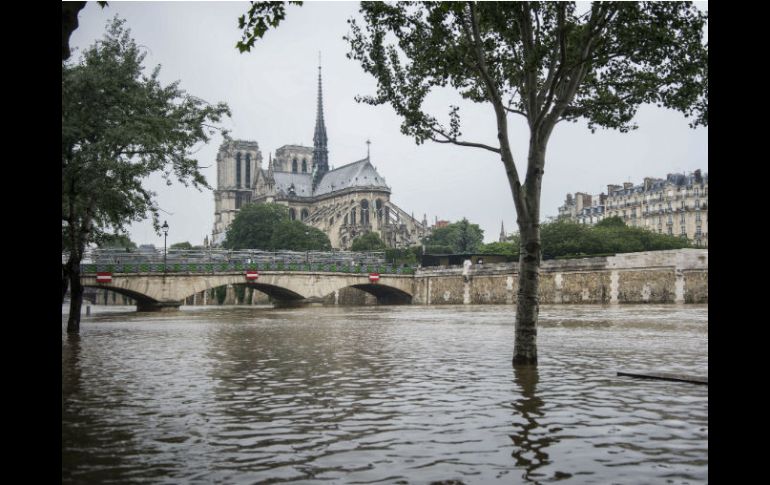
(364, 212)
(304, 166)
(238, 169)
(670, 231)
(303, 215)
(248, 170)
(378, 208)
(292, 214)
(353, 215)
(696, 191)
(294, 165)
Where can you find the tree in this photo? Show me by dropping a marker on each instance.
(544, 61)
(613, 221)
(457, 237)
(253, 225)
(116, 241)
(296, 236)
(507, 248)
(368, 242)
(181, 245)
(563, 238)
(118, 127)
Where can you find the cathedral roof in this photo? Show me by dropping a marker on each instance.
(303, 183)
(356, 174)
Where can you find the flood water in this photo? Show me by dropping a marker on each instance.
(401, 394)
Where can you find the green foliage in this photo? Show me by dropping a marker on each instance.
(565, 238)
(457, 237)
(119, 126)
(181, 245)
(510, 249)
(253, 226)
(544, 60)
(613, 221)
(116, 241)
(368, 242)
(401, 256)
(260, 17)
(438, 249)
(296, 236)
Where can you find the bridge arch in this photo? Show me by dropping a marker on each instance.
(385, 294)
(143, 302)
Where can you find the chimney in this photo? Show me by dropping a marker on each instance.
(611, 189)
(647, 183)
(627, 185)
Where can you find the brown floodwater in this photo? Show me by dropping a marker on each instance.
(399, 394)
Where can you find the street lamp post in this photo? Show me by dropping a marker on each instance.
(165, 236)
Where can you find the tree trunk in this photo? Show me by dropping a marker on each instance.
(528, 303)
(65, 278)
(76, 293)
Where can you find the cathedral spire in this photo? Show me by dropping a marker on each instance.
(270, 178)
(502, 232)
(320, 151)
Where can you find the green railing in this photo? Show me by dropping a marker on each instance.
(225, 267)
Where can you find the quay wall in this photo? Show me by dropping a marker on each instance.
(675, 276)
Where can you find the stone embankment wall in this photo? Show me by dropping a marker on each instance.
(677, 276)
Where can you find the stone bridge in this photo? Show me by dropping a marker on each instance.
(154, 292)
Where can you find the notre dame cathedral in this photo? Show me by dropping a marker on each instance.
(345, 203)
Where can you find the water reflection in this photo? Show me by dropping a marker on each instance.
(529, 439)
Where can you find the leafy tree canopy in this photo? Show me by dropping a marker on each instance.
(118, 127)
(370, 241)
(256, 22)
(297, 236)
(566, 238)
(181, 245)
(508, 248)
(457, 237)
(116, 241)
(613, 221)
(400, 256)
(253, 226)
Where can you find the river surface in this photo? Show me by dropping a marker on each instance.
(386, 394)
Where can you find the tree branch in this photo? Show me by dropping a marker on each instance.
(455, 141)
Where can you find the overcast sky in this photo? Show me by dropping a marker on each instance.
(271, 92)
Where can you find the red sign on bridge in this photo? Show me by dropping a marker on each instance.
(374, 277)
(104, 277)
(252, 275)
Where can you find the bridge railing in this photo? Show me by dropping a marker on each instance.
(231, 266)
(219, 260)
(198, 256)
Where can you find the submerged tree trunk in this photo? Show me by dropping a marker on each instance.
(76, 292)
(527, 303)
